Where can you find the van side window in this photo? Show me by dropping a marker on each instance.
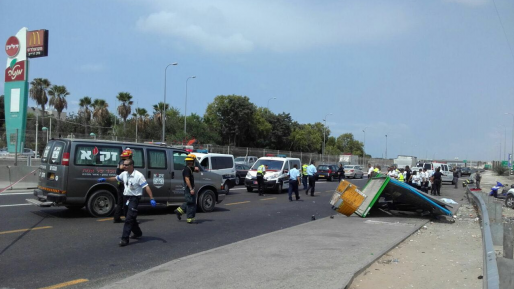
(100, 156)
(157, 159)
(219, 163)
(205, 163)
(55, 156)
(179, 160)
(137, 156)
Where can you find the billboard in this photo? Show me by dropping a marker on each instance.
(37, 43)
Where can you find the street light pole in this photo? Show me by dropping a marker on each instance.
(512, 141)
(269, 100)
(364, 146)
(324, 129)
(386, 148)
(185, 108)
(164, 104)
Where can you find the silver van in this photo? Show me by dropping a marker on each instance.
(70, 169)
(221, 164)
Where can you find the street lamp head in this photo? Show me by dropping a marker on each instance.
(44, 128)
(174, 63)
(92, 134)
(193, 76)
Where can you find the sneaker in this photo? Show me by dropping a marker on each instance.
(123, 243)
(179, 215)
(134, 236)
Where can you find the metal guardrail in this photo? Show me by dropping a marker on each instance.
(491, 275)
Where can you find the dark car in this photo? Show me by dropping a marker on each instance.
(465, 171)
(328, 172)
(241, 171)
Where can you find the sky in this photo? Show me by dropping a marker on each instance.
(436, 77)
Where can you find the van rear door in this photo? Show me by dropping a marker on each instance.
(52, 171)
(447, 174)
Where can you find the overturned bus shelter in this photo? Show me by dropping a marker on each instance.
(388, 195)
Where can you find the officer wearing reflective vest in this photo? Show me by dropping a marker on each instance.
(261, 171)
(401, 176)
(120, 207)
(189, 206)
(304, 176)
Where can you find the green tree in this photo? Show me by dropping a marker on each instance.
(157, 112)
(307, 137)
(232, 116)
(38, 92)
(85, 112)
(347, 144)
(100, 113)
(125, 108)
(58, 95)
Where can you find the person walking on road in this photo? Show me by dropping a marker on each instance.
(455, 177)
(370, 170)
(134, 182)
(340, 172)
(311, 173)
(294, 181)
(437, 180)
(189, 206)
(120, 207)
(304, 176)
(478, 178)
(261, 171)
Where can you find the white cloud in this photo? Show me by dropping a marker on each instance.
(91, 67)
(470, 2)
(242, 26)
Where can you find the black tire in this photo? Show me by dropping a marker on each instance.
(238, 181)
(101, 204)
(207, 201)
(249, 189)
(362, 175)
(330, 179)
(279, 188)
(509, 201)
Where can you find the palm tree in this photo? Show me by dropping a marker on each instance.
(124, 109)
(37, 92)
(100, 113)
(142, 116)
(58, 95)
(85, 111)
(157, 112)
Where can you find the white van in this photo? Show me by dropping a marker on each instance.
(446, 170)
(276, 177)
(246, 160)
(221, 164)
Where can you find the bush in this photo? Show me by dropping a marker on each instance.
(500, 170)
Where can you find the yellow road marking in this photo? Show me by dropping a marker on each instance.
(25, 230)
(237, 203)
(268, 199)
(73, 282)
(106, 219)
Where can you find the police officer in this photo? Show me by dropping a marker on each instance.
(294, 180)
(134, 183)
(311, 172)
(340, 172)
(189, 206)
(126, 154)
(261, 171)
(304, 176)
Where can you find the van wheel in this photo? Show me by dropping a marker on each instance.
(509, 201)
(249, 189)
(101, 204)
(207, 201)
(279, 188)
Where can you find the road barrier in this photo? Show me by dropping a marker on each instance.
(18, 177)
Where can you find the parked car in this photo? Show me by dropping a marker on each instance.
(241, 171)
(28, 153)
(328, 172)
(69, 172)
(465, 171)
(3, 153)
(353, 171)
(246, 160)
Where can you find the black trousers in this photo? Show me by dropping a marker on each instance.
(131, 224)
(120, 204)
(312, 184)
(437, 187)
(260, 185)
(293, 187)
(341, 176)
(190, 205)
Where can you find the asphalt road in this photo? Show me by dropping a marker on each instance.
(67, 246)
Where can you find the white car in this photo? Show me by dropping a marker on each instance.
(353, 171)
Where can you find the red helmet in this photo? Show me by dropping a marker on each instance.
(126, 154)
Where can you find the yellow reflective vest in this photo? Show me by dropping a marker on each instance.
(261, 170)
(400, 177)
(304, 169)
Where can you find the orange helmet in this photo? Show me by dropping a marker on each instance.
(126, 154)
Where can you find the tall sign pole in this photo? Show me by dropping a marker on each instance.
(25, 44)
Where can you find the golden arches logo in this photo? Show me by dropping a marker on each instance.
(34, 38)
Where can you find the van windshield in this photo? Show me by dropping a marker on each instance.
(272, 164)
(428, 166)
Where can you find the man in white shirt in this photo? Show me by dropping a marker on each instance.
(134, 183)
(370, 170)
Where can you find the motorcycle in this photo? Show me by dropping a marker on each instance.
(494, 190)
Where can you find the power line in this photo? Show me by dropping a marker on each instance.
(503, 28)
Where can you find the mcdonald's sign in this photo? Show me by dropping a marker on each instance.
(37, 43)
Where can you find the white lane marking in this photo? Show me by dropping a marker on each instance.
(15, 205)
(10, 194)
(238, 189)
